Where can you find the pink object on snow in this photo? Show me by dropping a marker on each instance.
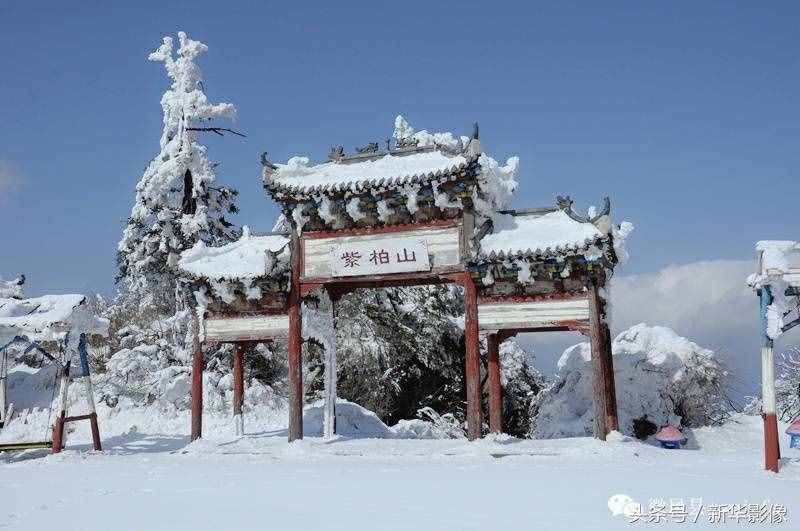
(670, 434)
(794, 428)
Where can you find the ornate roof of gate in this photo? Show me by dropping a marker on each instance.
(543, 233)
(378, 171)
(250, 257)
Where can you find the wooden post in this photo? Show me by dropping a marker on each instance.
(92, 413)
(197, 380)
(472, 358)
(329, 424)
(295, 345)
(495, 388)
(3, 379)
(87, 381)
(771, 442)
(238, 387)
(600, 363)
(610, 382)
(61, 413)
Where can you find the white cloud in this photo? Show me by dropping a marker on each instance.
(707, 302)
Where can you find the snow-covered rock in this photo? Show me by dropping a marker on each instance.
(352, 420)
(660, 378)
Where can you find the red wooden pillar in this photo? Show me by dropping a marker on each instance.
(495, 389)
(238, 377)
(772, 449)
(95, 431)
(610, 384)
(58, 432)
(295, 345)
(472, 361)
(238, 385)
(605, 407)
(197, 381)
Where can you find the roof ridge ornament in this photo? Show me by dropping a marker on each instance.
(336, 154)
(473, 147)
(269, 167)
(407, 142)
(372, 147)
(565, 203)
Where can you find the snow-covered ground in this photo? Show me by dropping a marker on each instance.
(151, 479)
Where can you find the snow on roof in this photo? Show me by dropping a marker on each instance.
(247, 258)
(551, 233)
(401, 168)
(49, 317)
(778, 257)
(12, 289)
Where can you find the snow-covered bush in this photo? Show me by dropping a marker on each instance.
(522, 384)
(787, 385)
(398, 351)
(439, 426)
(660, 377)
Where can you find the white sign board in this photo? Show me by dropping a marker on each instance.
(245, 328)
(443, 247)
(538, 314)
(379, 257)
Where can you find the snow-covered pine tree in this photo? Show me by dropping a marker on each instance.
(177, 200)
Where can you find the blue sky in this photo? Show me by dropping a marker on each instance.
(686, 114)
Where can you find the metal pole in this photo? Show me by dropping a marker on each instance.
(771, 443)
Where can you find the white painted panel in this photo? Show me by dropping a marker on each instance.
(252, 327)
(507, 315)
(379, 257)
(792, 277)
(442, 243)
